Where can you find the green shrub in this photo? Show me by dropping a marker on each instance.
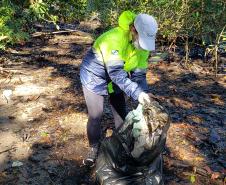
(16, 18)
(199, 20)
(10, 29)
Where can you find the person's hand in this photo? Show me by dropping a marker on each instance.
(143, 98)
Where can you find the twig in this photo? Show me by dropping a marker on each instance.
(173, 42)
(55, 32)
(9, 70)
(187, 51)
(2, 70)
(9, 77)
(6, 101)
(36, 98)
(216, 49)
(198, 170)
(7, 150)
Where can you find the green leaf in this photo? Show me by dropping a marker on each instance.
(44, 134)
(192, 178)
(3, 37)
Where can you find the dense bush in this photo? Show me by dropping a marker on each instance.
(17, 18)
(198, 19)
(193, 21)
(10, 28)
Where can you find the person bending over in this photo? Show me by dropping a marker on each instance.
(116, 64)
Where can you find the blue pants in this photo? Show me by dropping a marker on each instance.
(95, 104)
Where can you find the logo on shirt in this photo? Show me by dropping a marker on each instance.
(114, 52)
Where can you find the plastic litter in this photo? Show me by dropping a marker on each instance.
(17, 164)
(133, 154)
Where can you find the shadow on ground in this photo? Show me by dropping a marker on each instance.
(196, 104)
(56, 137)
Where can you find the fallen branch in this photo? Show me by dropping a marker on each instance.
(11, 71)
(38, 34)
(198, 170)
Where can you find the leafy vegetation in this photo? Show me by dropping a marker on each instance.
(17, 18)
(190, 21)
(198, 21)
(10, 28)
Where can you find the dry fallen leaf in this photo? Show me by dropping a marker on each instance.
(215, 175)
(109, 132)
(192, 178)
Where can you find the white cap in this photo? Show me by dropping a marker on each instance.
(146, 27)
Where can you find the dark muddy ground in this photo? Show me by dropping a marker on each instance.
(43, 115)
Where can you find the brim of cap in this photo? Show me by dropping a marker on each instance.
(147, 43)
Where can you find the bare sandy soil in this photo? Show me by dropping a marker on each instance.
(43, 115)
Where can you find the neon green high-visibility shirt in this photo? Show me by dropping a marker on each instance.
(116, 44)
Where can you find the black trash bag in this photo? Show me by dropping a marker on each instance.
(133, 154)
